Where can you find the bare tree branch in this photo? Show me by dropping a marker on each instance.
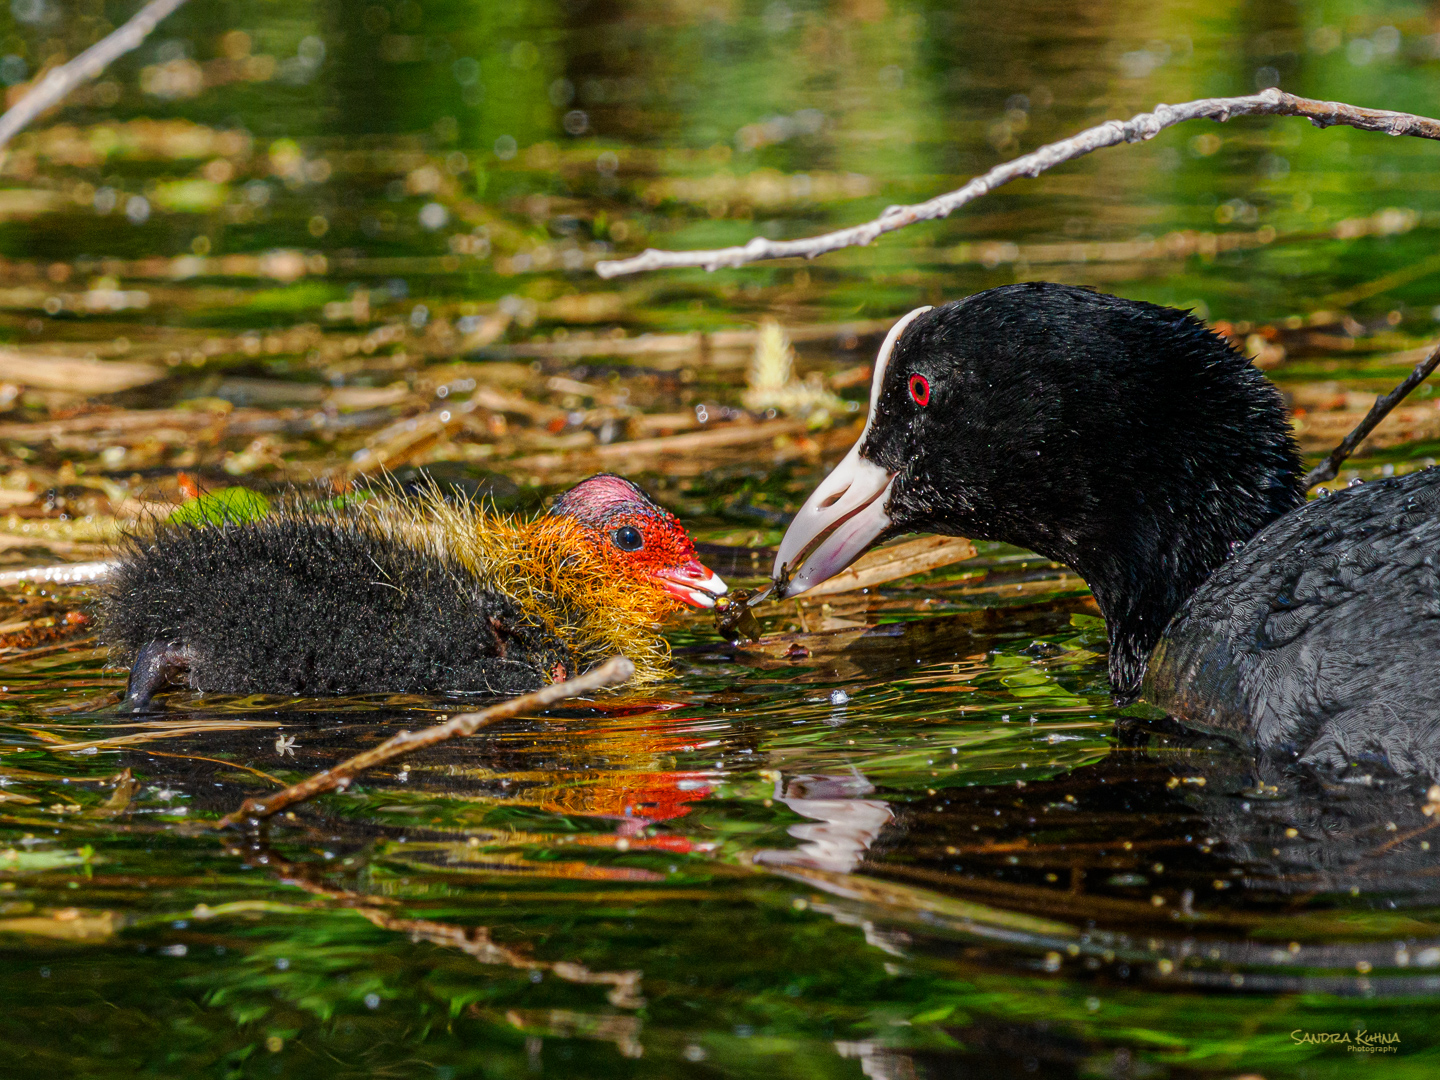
(1327, 469)
(1271, 102)
(611, 673)
(60, 81)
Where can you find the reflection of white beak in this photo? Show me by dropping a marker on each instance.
(851, 501)
(693, 584)
(848, 825)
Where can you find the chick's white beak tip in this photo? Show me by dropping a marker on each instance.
(693, 584)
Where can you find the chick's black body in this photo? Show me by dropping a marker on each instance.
(301, 604)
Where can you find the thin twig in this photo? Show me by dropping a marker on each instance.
(613, 672)
(64, 574)
(1271, 102)
(1327, 469)
(152, 752)
(139, 738)
(60, 81)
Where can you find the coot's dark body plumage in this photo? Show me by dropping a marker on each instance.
(341, 609)
(1321, 635)
(1131, 443)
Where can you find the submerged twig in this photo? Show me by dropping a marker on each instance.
(1273, 102)
(152, 752)
(64, 574)
(60, 81)
(1328, 468)
(139, 738)
(475, 941)
(614, 671)
(1430, 808)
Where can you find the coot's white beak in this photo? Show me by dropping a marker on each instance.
(851, 501)
(692, 583)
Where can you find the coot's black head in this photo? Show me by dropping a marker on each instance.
(1121, 438)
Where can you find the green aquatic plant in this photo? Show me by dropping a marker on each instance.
(222, 506)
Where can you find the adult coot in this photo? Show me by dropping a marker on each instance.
(1131, 443)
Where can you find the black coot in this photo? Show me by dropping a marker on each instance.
(1131, 443)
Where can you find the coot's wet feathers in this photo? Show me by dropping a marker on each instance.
(1322, 634)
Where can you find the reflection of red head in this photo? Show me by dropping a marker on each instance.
(643, 537)
(641, 796)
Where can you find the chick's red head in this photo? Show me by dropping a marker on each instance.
(645, 539)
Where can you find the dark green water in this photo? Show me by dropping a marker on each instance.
(922, 846)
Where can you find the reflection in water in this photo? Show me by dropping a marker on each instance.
(1012, 841)
(474, 941)
(1195, 865)
(848, 825)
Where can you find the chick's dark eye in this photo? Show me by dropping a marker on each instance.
(920, 389)
(628, 538)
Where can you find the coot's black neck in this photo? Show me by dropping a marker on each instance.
(1121, 438)
(1148, 562)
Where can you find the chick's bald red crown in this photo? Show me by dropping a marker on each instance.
(645, 536)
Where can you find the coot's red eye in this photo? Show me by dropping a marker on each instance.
(920, 389)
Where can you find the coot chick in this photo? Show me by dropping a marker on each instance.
(390, 594)
(1129, 442)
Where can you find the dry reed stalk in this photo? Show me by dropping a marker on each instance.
(65, 574)
(57, 547)
(636, 450)
(75, 375)
(895, 562)
(144, 422)
(406, 439)
(698, 341)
